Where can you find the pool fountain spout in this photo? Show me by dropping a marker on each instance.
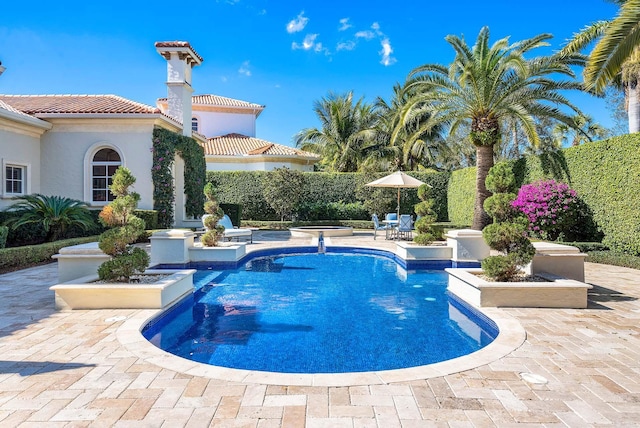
(321, 247)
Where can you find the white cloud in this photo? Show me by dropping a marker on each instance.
(386, 52)
(344, 24)
(224, 79)
(244, 69)
(376, 27)
(346, 46)
(297, 24)
(367, 35)
(307, 43)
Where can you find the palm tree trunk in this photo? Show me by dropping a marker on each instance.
(484, 162)
(633, 109)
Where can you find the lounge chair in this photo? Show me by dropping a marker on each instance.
(232, 232)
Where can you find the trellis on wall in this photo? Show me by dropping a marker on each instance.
(166, 145)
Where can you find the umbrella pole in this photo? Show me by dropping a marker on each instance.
(398, 207)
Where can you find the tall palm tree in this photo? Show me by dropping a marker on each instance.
(347, 128)
(487, 84)
(615, 59)
(583, 131)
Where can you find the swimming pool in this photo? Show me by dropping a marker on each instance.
(320, 313)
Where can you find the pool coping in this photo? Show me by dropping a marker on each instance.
(512, 335)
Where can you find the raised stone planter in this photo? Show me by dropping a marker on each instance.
(226, 252)
(85, 293)
(557, 293)
(558, 259)
(468, 245)
(171, 246)
(81, 260)
(411, 251)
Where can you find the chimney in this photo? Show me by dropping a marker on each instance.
(181, 58)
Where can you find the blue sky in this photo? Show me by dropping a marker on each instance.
(283, 54)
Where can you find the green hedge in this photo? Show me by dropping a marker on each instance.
(30, 255)
(461, 195)
(321, 190)
(150, 218)
(605, 174)
(234, 211)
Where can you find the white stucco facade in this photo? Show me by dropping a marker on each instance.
(256, 163)
(214, 123)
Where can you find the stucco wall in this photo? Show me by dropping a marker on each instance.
(214, 124)
(20, 148)
(69, 142)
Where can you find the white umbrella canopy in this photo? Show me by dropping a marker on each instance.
(398, 180)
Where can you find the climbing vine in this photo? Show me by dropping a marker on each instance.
(166, 145)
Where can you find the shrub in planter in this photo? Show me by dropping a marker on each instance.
(508, 232)
(4, 232)
(125, 229)
(426, 234)
(213, 213)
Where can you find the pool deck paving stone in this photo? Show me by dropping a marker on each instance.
(69, 369)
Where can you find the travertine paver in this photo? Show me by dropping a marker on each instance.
(69, 369)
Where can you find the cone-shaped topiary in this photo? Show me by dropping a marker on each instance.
(213, 214)
(508, 232)
(125, 229)
(424, 209)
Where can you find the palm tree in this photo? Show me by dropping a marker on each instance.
(347, 128)
(584, 130)
(615, 59)
(55, 213)
(484, 86)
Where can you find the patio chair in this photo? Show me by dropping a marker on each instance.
(404, 228)
(231, 232)
(377, 226)
(391, 216)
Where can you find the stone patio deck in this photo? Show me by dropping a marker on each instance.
(69, 369)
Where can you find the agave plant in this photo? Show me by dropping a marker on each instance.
(56, 214)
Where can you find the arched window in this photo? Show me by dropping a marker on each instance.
(103, 166)
(194, 124)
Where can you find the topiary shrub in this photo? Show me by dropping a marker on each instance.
(508, 233)
(213, 214)
(426, 235)
(126, 260)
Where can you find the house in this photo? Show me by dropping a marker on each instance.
(230, 128)
(70, 145)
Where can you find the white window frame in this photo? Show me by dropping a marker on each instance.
(197, 121)
(88, 171)
(26, 178)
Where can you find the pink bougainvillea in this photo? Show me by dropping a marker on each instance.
(551, 207)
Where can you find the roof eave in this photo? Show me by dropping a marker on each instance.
(25, 119)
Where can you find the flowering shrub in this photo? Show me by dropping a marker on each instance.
(551, 207)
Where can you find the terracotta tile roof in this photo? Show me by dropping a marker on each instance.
(218, 101)
(7, 107)
(83, 104)
(178, 44)
(241, 145)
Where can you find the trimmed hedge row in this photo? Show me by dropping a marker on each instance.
(605, 174)
(461, 194)
(321, 191)
(31, 255)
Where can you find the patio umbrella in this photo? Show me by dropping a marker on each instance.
(398, 180)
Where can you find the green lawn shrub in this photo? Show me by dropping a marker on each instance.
(461, 195)
(150, 218)
(615, 259)
(4, 231)
(31, 255)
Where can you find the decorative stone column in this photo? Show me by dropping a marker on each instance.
(81, 260)
(171, 246)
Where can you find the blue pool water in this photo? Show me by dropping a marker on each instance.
(321, 313)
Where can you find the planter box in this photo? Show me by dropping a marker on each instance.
(226, 252)
(78, 261)
(468, 245)
(557, 293)
(411, 251)
(84, 293)
(171, 246)
(562, 260)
